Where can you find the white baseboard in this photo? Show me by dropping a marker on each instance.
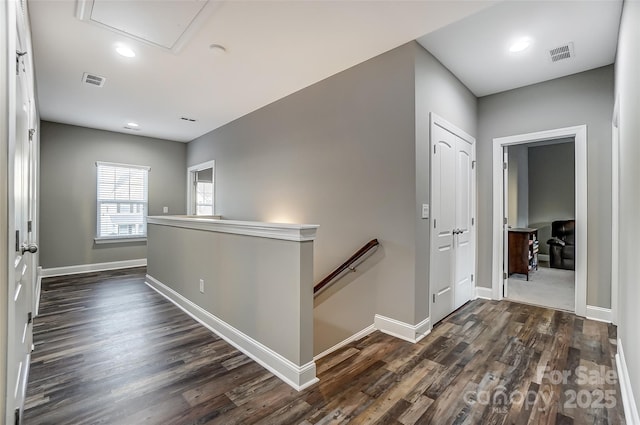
(484, 293)
(96, 267)
(38, 290)
(396, 328)
(298, 377)
(600, 314)
(361, 334)
(630, 409)
(402, 330)
(543, 257)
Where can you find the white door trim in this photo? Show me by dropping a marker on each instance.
(436, 120)
(7, 116)
(580, 135)
(615, 205)
(190, 182)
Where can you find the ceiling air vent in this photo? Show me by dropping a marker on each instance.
(93, 80)
(561, 52)
(187, 119)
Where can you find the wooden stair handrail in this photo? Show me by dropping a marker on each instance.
(347, 264)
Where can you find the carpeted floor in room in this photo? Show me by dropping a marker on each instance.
(547, 287)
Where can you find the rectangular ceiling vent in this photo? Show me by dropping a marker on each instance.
(562, 53)
(187, 119)
(93, 80)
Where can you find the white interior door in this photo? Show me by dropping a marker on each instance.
(505, 221)
(443, 205)
(463, 232)
(22, 283)
(452, 258)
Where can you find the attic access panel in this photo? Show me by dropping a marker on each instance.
(166, 24)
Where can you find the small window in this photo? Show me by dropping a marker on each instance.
(204, 197)
(122, 201)
(201, 193)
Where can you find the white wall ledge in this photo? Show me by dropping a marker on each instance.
(287, 232)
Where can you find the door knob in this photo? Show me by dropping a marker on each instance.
(32, 248)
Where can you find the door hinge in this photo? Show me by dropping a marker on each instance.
(29, 318)
(29, 226)
(504, 275)
(434, 298)
(17, 240)
(473, 220)
(18, 56)
(32, 131)
(434, 149)
(505, 220)
(504, 165)
(473, 165)
(434, 224)
(16, 415)
(471, 278)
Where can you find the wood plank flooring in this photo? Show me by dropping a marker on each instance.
(109, 350)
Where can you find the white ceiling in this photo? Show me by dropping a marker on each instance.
(476, 49)
(274, 48)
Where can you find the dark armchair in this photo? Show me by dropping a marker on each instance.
(562, 245)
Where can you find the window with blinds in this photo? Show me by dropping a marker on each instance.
(122, 201)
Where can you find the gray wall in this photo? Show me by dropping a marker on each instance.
(628, 95)
(68, 189)
(346, 153)
(584, 98)
(551, 188)
(518, 186)
(270, 300)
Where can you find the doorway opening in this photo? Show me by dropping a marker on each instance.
(540, 211)
(200, 189)
(501, 220)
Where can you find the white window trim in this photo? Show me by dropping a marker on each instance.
(191, 171)
(119, 164)
(120, 239)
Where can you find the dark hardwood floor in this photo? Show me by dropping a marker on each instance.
(110, 350)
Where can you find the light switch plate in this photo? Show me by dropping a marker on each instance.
(425, 210)
(165, 209)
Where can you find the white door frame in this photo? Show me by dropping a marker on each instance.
(441, 122)
(615, 206)
(191, 172)
(16, 20)
(7, 115)
(579, 133)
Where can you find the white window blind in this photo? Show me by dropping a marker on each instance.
(122, 201)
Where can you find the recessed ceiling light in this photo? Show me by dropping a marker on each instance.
(133, 124)
(125, 51)
(520, 45)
